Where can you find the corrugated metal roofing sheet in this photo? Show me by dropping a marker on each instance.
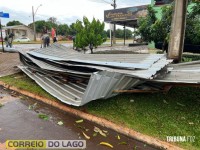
(90, 76)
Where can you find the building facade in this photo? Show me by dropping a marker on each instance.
(20, 31)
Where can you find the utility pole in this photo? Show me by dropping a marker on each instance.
(33, 14)
(114, 29)
(177, 34)
(1, 37)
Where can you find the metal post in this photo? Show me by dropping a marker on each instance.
(33, 13)
(177, 34)
(124, 34)
(1, 37)
(110, 36)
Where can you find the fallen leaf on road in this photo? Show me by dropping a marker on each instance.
(30, 107)
(105, 131)
(1, 105)
(81, 127)
(106, 144)
(95, 134)
(60, 123)
(97, 130)
(43, 116)
(118, 137)
(122, 143)
(86, 136)
(79, 121)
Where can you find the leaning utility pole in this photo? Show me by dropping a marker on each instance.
(177, 34)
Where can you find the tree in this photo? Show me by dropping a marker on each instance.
(128, 33)
(72, 30)
(40, 25)
(63, 29)
(52, 20)
(13, 23)
(119, 33)
(156, 30)
(193, 25)
(89, 33)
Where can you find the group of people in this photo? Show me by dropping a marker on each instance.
(45, 39)
(9, 39)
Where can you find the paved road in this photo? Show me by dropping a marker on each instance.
(17, 122)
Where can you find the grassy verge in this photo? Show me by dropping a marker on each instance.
(23, 82)
(159, 115)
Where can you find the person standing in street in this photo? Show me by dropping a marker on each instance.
(10, 39)
(6, 40)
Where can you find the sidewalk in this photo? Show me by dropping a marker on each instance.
(8, 63)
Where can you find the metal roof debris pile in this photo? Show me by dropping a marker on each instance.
(77, 79)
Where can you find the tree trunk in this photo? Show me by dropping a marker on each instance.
(91, 51)
(163, 46)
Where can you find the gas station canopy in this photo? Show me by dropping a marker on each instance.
(125, 16)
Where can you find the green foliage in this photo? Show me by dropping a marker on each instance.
(63, 29)
(193, 25)
(43, 116)
(145, 25)
(72, 30)
(89, 33)
(40, 25)
(157, 30)
(14, 23)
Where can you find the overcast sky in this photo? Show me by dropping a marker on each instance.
(66, 11)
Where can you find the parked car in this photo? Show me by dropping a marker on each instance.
(22, 39)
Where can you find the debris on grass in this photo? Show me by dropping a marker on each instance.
(60, 123)
(191, 123)
(164, 101)
(106, 144)
(180, 104)
(43, 116)
(131, 100)
(79, 121)
(86, 136)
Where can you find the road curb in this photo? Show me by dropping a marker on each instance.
(101, 121)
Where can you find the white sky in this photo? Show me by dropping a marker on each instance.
(66, 11)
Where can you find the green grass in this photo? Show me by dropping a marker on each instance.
(176, 113)
(159, 115)
(23, 82)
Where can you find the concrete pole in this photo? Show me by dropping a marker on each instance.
(177, 34)
(33, 13)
